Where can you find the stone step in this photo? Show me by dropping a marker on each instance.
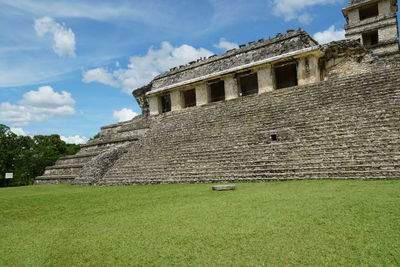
(62, 171)
(56, 179)
(195, 170)
(345, 175)
(346, 142)
(76, 159)
(266, 157)
(65, 166)
(263, 166)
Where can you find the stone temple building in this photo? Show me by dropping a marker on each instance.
(278, 109)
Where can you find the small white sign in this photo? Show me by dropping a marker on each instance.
(9, 175)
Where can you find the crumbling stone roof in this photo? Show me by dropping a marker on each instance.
(353, 2)
(293, 40)
(140, 96)
(342, 48)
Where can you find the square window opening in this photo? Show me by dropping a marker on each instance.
(370, 38)
(274, 137)
(190, 98)
(217, 91)
(286, 76)
(248, 84)
(165, 103)
(369, 12)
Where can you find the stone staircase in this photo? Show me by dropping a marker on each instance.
(345, 128)
(68, 168)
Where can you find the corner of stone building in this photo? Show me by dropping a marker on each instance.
(141, 98)
(345, 58)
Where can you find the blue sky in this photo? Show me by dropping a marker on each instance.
(68, 66)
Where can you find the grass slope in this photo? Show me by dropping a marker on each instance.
(320, 223)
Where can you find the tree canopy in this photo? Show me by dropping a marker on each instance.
(27, 157)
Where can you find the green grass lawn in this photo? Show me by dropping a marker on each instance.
(310, 223)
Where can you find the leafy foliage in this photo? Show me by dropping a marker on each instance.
(27, 157)
(97, 136)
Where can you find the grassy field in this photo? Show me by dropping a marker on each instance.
(302, 223)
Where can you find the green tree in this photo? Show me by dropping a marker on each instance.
(28, 157)
(97, 136)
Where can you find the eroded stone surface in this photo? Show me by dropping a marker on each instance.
(95, 169)
(283, 43)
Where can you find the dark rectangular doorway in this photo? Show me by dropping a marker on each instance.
(248, 84)
(217, 91)
(369, 12)
(165, 103)
(370, 38)
(189, 98)
(286, 76)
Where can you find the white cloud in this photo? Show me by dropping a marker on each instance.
(77, 140)
(305, 18)
(124, 114)
(18, 131)
(142, 70)
(295, 9)
(46, 97)
(17, 115)
(37, 106)
(63, 38)
(106, 10)
(329, 35)
(225, 45)
(100, 75)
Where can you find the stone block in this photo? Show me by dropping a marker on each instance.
(223, 187)
(177, 101)
(202, 95)
(265, 79)
(154, 105)
(231, 87)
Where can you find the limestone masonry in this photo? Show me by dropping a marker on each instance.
(278, 109)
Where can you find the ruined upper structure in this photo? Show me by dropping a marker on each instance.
(374, 24)
(278, 109)
(287, 60)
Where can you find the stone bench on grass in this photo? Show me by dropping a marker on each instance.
(223, 187)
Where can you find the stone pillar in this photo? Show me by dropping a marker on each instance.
(308, 70)
(265, 80)
(354, 16)
(202, 95)
(154, 105)
(177, 101)
(231, 87)
(384, 7)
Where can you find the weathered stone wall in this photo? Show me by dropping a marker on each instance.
(142, 100)
(386, 25)
(344, 128)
